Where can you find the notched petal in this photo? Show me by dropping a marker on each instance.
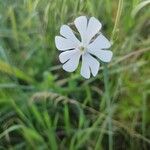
(72, 64)
(103, 55)
(81, 25)
(65, 56)
(101, 42)
(89, 65)
(93, 28)
(63, 44)
(67, 32)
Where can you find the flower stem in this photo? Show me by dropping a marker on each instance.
(108, 105)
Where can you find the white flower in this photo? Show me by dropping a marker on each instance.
(86, 48)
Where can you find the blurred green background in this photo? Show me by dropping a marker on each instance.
(43, 107)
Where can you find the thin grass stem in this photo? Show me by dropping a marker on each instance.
(118, 15)
(108, 105)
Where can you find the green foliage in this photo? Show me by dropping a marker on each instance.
(43, 107)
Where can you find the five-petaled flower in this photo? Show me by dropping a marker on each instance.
(91, 45)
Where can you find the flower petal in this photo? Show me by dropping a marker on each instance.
(89, 63)
(81, 25)
(67, 32)
(93, 28)
(103, 55)
(72, 64)
(94, 65)
(100, 43)
(85, 69)
(65, 56)
(63, 44)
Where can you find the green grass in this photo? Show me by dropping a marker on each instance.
(43, 107)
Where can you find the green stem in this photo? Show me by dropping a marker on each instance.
(144, 117)
(108, 103)
(118, 16)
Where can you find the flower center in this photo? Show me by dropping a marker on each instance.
(82, 49)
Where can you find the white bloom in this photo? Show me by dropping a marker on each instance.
(86, 48)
